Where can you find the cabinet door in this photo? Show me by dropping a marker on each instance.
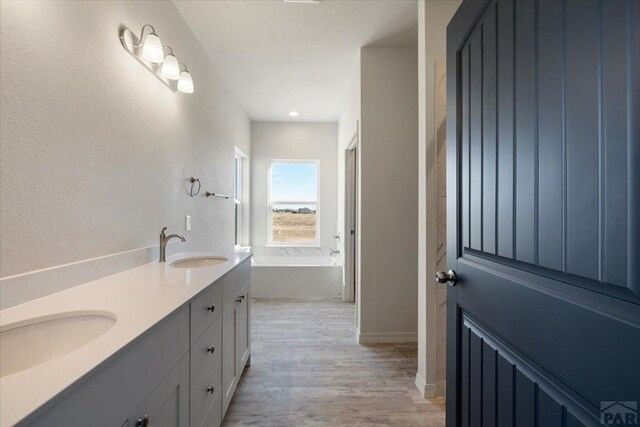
(242, 331)
(229, 359)
(168, 404)
(139, 417)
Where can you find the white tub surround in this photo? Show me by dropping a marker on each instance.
(320, 282)
(139, 298)
(295, 272)
(295, 261)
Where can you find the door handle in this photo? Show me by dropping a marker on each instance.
(448, 277)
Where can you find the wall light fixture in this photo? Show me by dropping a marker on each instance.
(149, 51)
(170, 66)
(185, 83)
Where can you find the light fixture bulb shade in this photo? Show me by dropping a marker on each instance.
(152, 49)
(185, 83)
(170, 67)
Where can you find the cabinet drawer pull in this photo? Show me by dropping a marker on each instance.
(210, 389)
(240, 298)
(211, 349)
(211, 308)
(143, 422)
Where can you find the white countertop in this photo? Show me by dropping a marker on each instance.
(139, 297)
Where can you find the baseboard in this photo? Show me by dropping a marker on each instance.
(441, 388)
(426, 390)
(386, 337)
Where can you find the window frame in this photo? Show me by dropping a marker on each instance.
(239, 159)
(271, 203)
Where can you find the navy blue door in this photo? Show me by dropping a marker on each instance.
(543, 324)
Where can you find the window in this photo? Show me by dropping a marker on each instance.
(294, 205)
(238, 163)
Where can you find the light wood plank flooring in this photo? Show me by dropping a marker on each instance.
(307, 370)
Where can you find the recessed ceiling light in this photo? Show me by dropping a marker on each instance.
(293, 113)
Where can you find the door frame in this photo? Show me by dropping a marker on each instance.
(350, 219)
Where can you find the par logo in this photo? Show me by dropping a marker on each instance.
(619, 413)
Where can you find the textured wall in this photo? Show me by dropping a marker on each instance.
(286, 140)
(95, 150)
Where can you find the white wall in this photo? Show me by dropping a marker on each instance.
(433, 19)
(388, 194)
(95, 150)
(293, 140)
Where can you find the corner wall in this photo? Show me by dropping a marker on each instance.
(388, 194)
(96, 152)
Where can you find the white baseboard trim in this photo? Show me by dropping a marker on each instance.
(426, 390)
(386, 337)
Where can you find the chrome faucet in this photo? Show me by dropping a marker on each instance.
(164, 239)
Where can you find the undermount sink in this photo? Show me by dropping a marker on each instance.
(199, 261)
(34, 341)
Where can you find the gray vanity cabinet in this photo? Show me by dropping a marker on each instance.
(243, 332)
(168, 403)
(206, 373)
(229, 359)
(235, 342)
(148, 374)
(182, 372)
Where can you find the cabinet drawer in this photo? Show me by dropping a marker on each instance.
(205, 308)
(213, 418)
(235, 280)
(206, 356)
(206, 371)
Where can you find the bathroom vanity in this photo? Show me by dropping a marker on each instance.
(173, 357)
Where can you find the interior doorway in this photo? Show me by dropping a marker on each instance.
(350, 223)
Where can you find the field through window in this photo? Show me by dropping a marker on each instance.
(294, 202)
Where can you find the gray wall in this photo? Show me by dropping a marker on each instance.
(287, 140)
(95, 150)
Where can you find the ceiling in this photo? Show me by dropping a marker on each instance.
(279, 57)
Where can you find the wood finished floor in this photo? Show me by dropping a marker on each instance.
(307, 370)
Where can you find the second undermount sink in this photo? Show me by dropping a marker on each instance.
(199, 261)
(37, 340)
